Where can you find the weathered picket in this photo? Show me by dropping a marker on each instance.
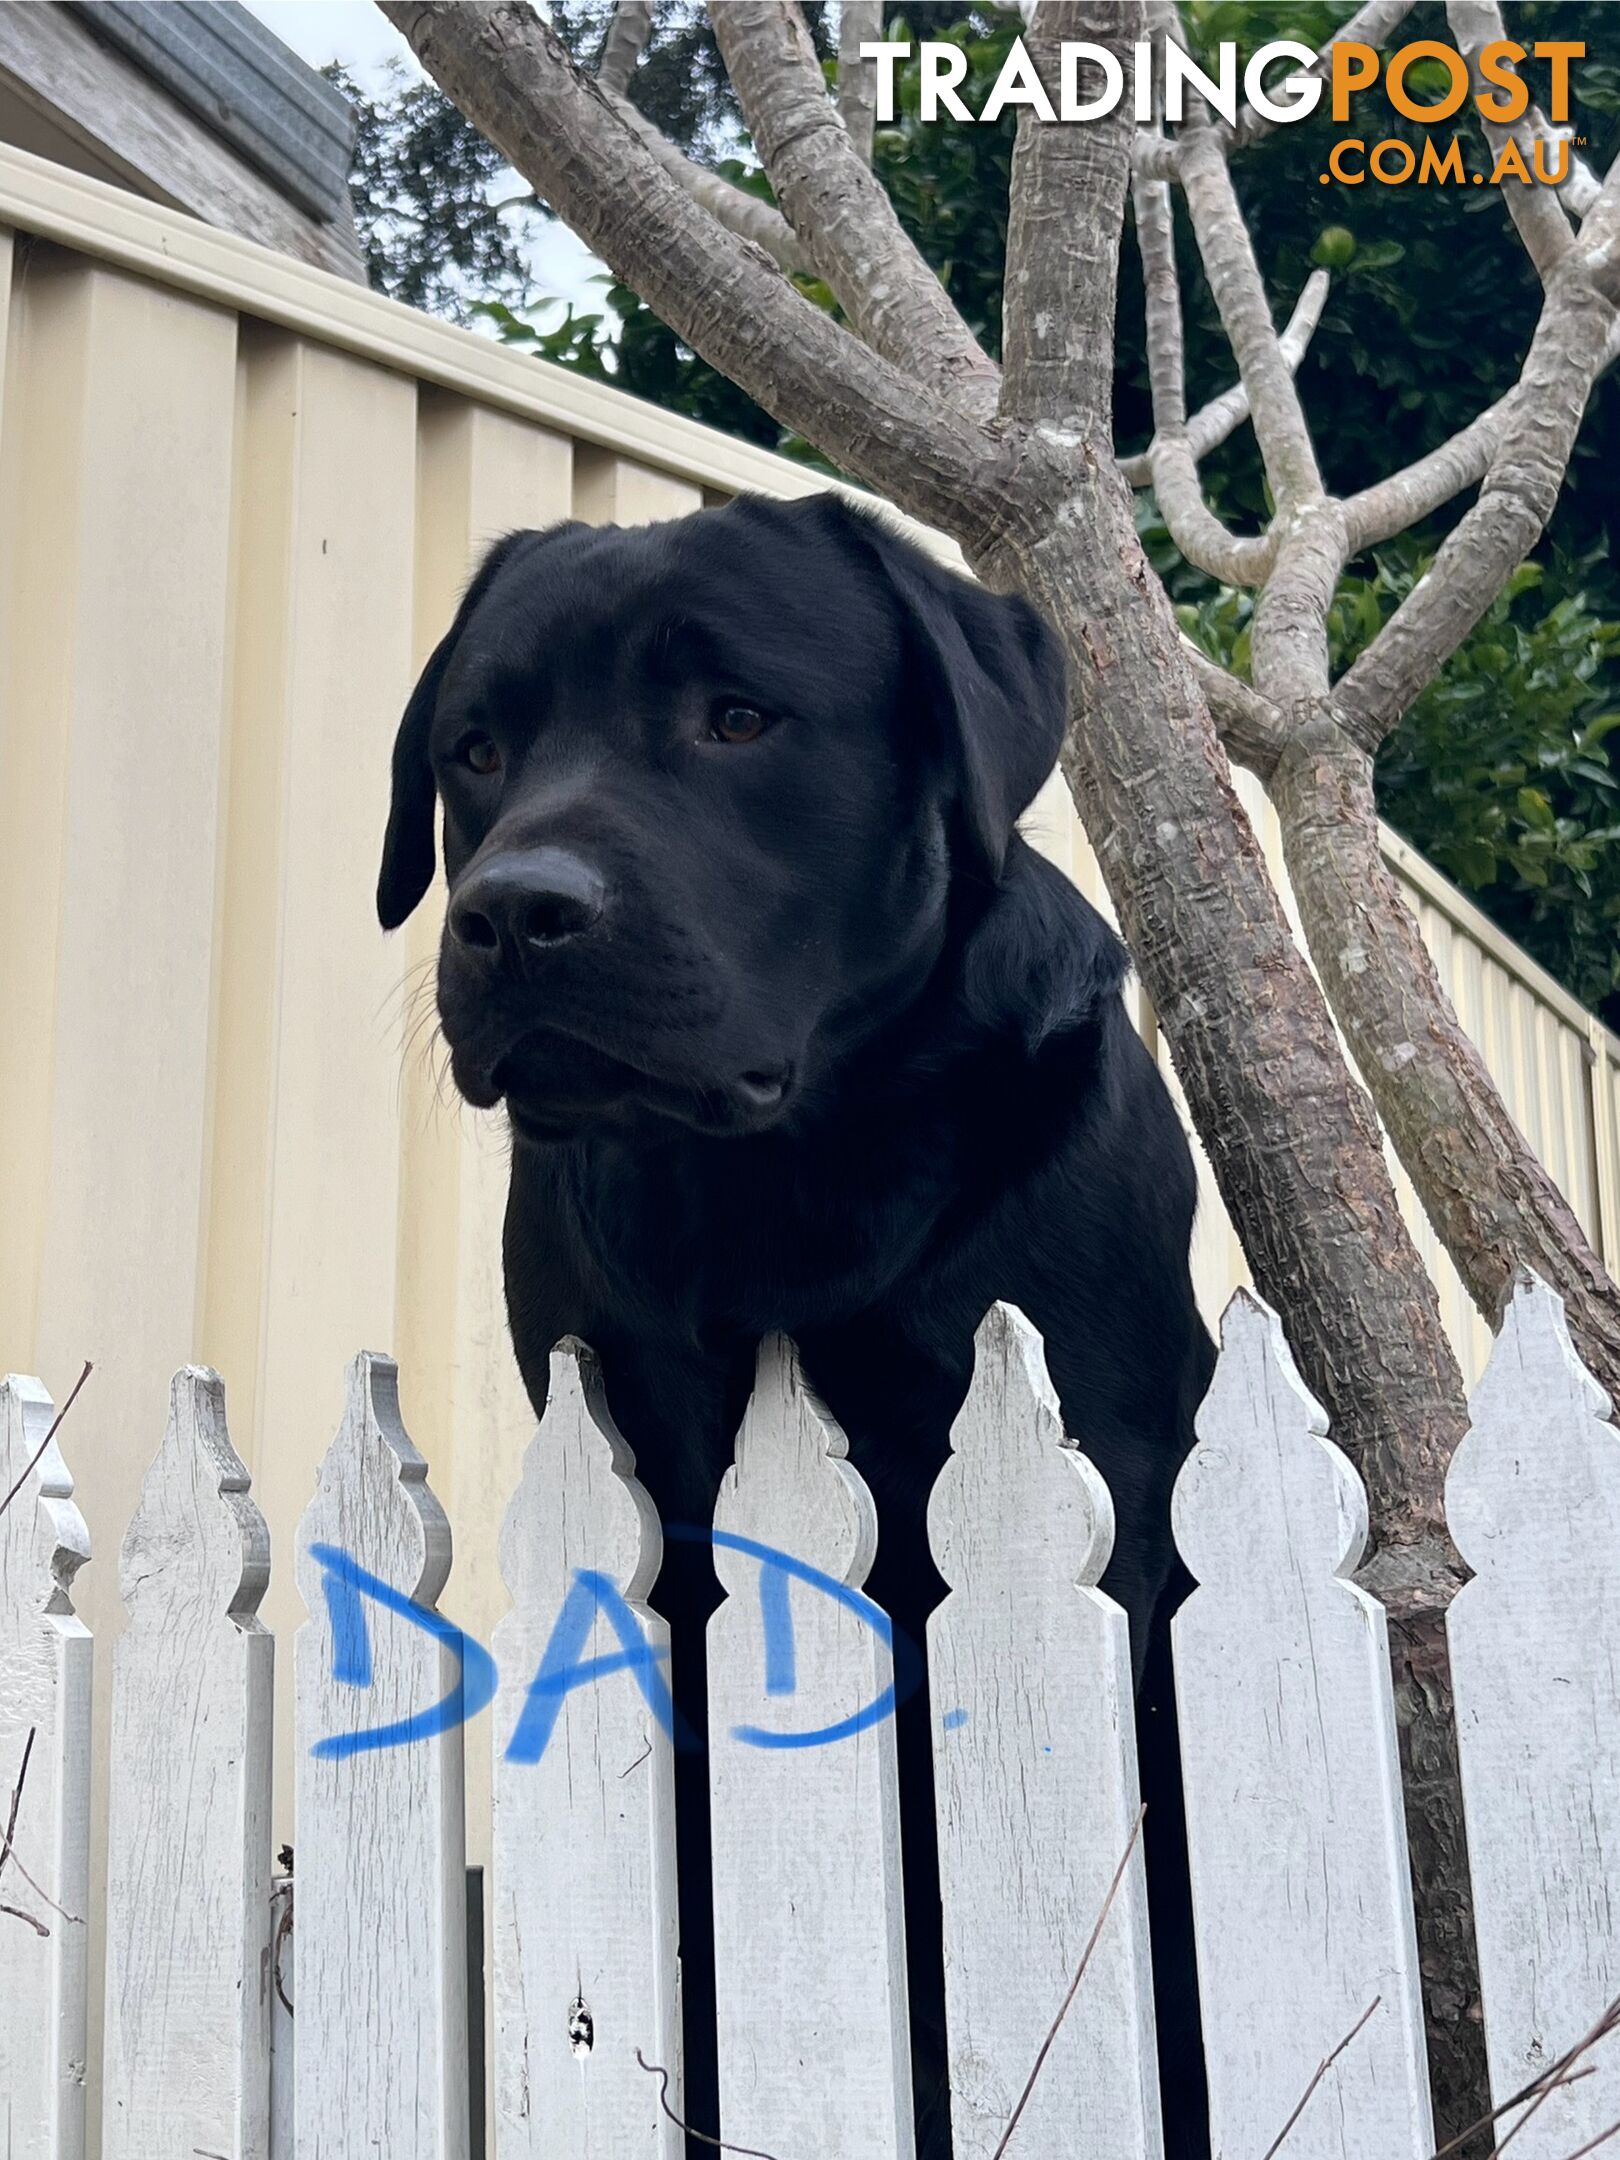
(380, 1997)
(585, 1964)
(187, 2035)
(1035, 1779)
(232, 2034)
(1533, 1499)
(809, 1932)
(45, 1765)
(1301, 1892)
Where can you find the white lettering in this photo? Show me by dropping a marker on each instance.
(1018, 84)
(888, 58)
(1181, 70)
(1076, 55)
(944, 69)
(1295, 95)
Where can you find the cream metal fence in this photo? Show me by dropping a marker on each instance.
(237, 499)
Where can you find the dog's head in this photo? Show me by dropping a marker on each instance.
(706, 787)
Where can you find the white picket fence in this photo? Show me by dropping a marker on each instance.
(1303, 1907)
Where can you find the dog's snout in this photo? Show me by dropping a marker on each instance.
(528, 902)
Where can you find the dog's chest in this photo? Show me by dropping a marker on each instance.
(752, 1235)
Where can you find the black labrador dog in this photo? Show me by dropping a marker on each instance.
(795, 1031)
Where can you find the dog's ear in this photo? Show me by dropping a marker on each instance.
(996, 679)
(407, 856)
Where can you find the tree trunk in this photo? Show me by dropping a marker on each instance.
(1291, 1138)
(1490, 1200)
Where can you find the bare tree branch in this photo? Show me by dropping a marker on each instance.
(1221, 418)
(1580, 187)
(749, 216)
(1033, 2079)
(1406, 498)
(1541, 218)
(1250, 726)
(624, 44)
(1490, 1199)
(1192, 524)
(1370, 25)
(860, 22)
(506, 68)
(1240, 295)
(1062, 267)
(1515, 501)
(1288, 644)
(840, 209)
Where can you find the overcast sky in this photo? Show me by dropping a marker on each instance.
(354, 32)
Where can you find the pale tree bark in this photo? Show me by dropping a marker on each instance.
(1221, 418)
(1538, 212)
(624, 44)
(834, 201)
(1019, 467)
(1490, 1199)
(1372, 25)
(741, 213)
(860, 22)
(1124, 766)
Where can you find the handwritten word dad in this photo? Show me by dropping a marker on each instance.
(564, 1665)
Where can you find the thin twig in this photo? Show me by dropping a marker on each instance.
(1554, 2077)
(8, 1844)
(658, 2071)
(1592, 2144)
(1527, 2092)
(1322, 2069)
(16, 1799)
(34, 1460)
(1074, 1985)
(73, 1919)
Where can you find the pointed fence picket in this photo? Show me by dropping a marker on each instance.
(380, 1912)
(1296, 1830)
(809, 1931)
(1297, 1838)
(585, 1942)
(1533, 1498)
(44, 1785)
(187, 2031)
(1035, 1780)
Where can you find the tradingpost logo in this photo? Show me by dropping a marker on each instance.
(1282, 83)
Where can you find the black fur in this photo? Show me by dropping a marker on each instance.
(799, 1033)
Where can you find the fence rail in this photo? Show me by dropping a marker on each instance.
(1306, 1946)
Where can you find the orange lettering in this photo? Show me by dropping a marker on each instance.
(1408, 56)
(1354, 66)
(1336, 165)
(1497, 65)
(1560, 56)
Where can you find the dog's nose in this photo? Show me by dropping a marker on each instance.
(527, 902)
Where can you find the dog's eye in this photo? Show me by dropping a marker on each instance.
(480, 754)
(738, 724)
